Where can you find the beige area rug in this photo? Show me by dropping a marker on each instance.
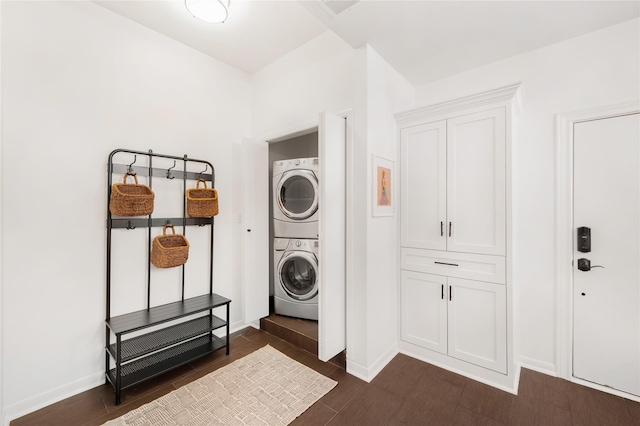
(265, 387)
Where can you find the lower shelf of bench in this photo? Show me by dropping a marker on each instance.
(157, 363)
(169, 336)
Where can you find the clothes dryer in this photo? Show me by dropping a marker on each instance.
(295, 198)
(296, 278)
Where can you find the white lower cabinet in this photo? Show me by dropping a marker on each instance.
(424, 310)
(477, 320)
(462, 318)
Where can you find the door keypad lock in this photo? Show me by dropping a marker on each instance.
(585, 265)
(584, 239)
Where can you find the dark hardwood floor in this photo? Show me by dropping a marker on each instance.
(406, 392)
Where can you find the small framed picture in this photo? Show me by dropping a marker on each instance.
(383, 194)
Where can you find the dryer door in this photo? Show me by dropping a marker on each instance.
(297, 194)
(298, 275)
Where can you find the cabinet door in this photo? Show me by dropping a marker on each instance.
(423, 186)
(478, 323)
(424, 310)
(476, 183)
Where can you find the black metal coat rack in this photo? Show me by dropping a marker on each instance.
(139, 358)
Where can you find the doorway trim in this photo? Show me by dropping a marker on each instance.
(564, 232)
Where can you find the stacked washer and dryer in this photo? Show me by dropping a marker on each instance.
(295, 244)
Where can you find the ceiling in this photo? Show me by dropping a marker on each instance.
(423, 40)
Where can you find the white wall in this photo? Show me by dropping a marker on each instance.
(596, 69)
(290, 93)
(77, 82)
(387, 93)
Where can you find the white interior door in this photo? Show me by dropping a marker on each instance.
(255, 240)
(332, 236)
(424, 186)
(606, 300)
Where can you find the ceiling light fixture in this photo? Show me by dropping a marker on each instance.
(212, 11)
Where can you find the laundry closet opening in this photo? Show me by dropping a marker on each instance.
(308, 229)
(293, 240)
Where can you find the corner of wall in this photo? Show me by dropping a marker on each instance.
(368, 373)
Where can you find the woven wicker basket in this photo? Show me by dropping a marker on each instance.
(168, 251)
(131, 199)
(202, 202)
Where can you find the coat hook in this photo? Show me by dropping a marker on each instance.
(129, 225)
(169, 175)
(135, 157)
(206, 167)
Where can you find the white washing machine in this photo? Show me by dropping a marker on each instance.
(296, 277)
(295, 198)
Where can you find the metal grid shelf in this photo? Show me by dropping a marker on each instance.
(163, 361)
(156, 340)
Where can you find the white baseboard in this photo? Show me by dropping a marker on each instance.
(536, 365)
(52, 396)
(357, 370)
(507, 383)
(605, 389)
(240, 325)
(382, 361)
(369, 373)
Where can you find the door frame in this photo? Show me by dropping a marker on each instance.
(564, 233)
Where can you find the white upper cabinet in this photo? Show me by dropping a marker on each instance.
(453, 184)
(424, 185)
(476, 183)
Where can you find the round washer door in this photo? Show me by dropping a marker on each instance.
(298, 272)
(297, 194)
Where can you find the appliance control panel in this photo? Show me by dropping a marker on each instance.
(281, 166)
